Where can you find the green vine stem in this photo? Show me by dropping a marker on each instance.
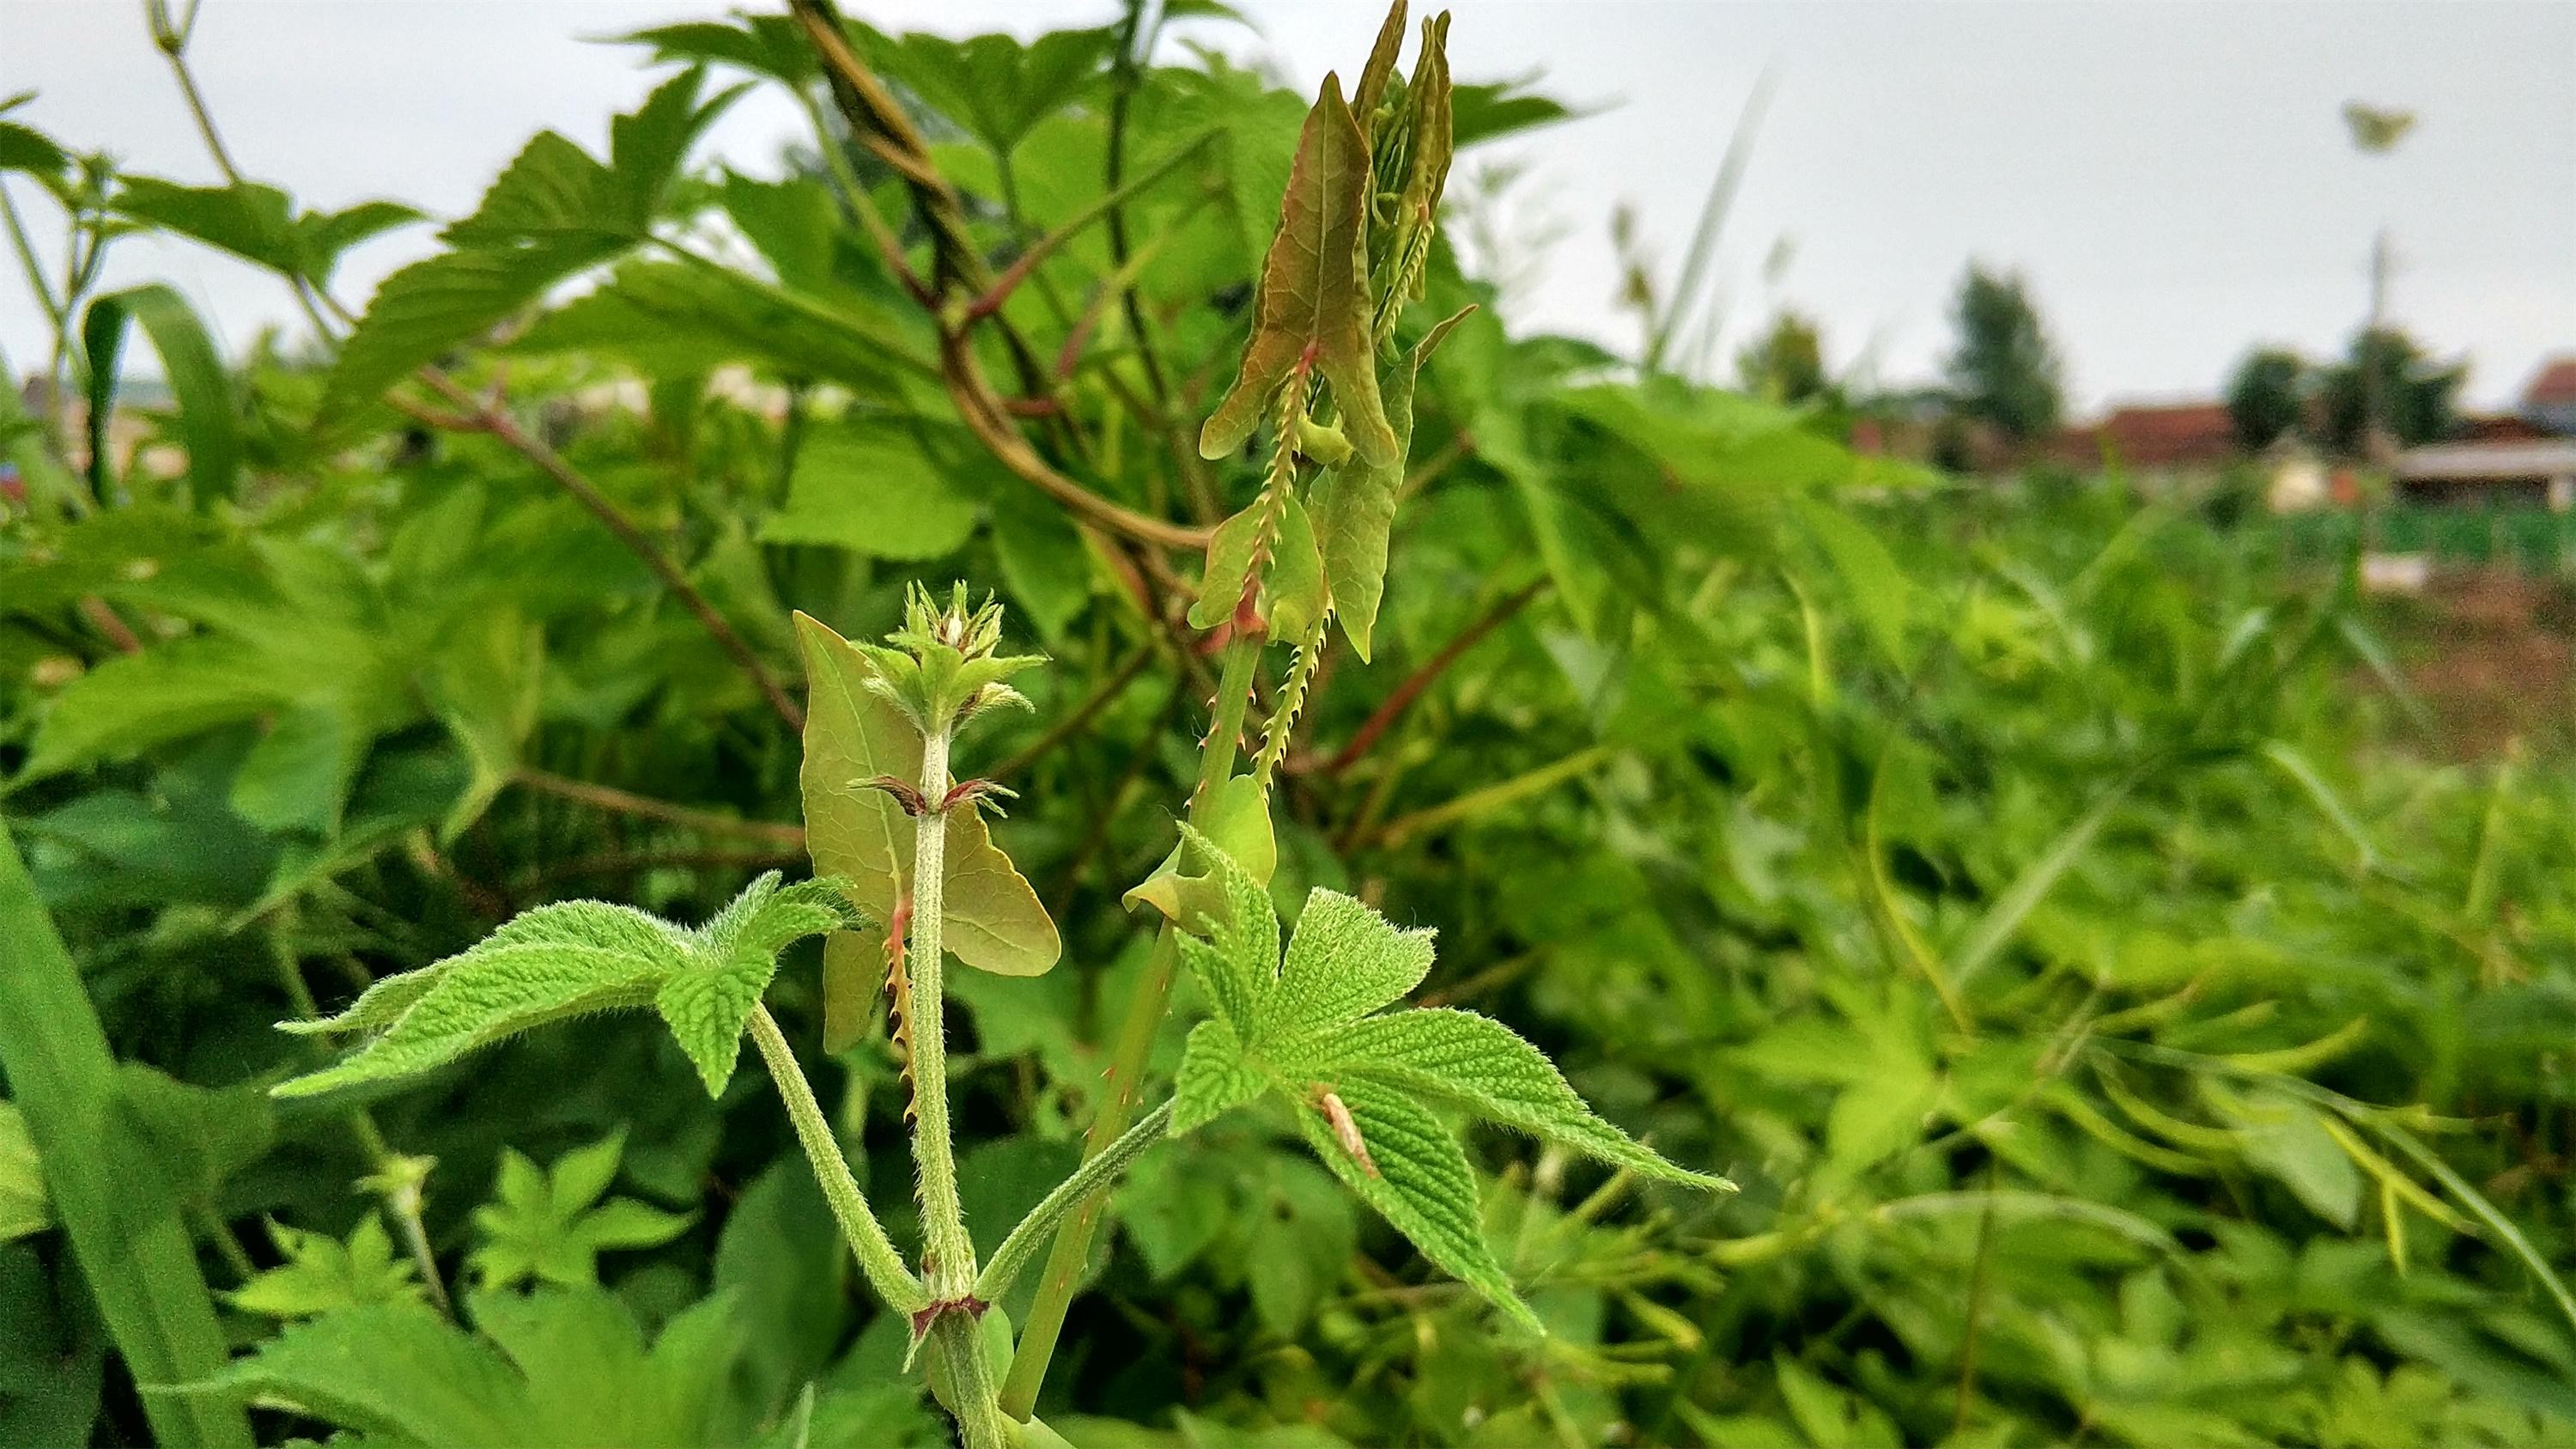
(1135, 1044)
(1096, 1173)
(948, 1254)
(878, 1259)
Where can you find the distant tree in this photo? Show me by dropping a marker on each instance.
(1788, 364)
(2386, 376)
(2268, 397)
(2005, 372)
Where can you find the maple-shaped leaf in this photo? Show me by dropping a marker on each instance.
(1312, 310)
(855, 736)
(576, 957)
(322, 1274)
(550, 1225)
(1308, 1024)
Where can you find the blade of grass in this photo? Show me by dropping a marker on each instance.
(133, 1252)
(1996, 928)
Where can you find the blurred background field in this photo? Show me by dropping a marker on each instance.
(2058, 783)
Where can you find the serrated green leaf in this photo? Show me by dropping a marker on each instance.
(257, 223)
(322, 1274)
(708, 1002)
(432, 306)
(674, 320)
(1237, 962)
(298, 776)
(550, 1225)
(554, 1367)
(1486, 1067)
(872, 489)
(249, 220)
(396, 1369)
(1344, 961)
(1312, 308)
(548, 963)
(1416, 1176)
(1214, 1077)
(996, 87)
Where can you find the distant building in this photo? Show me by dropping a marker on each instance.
(2550, 401)
(2524, 474)
(2153, 438)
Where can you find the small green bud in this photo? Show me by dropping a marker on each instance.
(944, 667)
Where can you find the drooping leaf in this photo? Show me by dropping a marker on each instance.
(209, 419)
(581, 956)
(1416, 1176)
(1354, 504)
(1484, 1066)
(1312, 307)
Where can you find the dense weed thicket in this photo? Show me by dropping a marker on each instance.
(2122, 1023)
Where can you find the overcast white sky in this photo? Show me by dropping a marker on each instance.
(2174, 179)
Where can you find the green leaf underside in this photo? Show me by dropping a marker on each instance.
(1214, 1077)
(1312, 307)
(1300, 1024)
(576, 957)
(1354, 504)
(1230, 552)
(993, 919)
(1422, 1185)
(1487, 1068)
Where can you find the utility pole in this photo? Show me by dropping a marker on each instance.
(2375, 132)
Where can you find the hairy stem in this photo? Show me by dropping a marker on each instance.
(955, 1342)
(878, 1260)
(948, 1255)
(1093, 1177)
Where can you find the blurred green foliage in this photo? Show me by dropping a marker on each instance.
(2042, 905)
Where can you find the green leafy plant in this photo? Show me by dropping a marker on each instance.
(2128, 1022)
